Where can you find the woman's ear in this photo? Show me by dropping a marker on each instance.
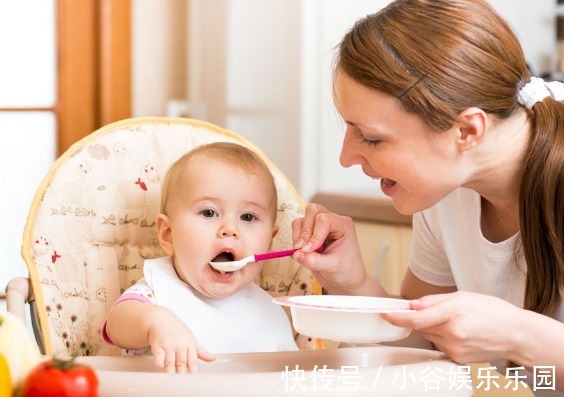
(472, 129)
(164, 232)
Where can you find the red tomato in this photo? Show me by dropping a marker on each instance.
(61, 379)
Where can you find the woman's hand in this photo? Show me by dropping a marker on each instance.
(173, 345)
(468, 327)
(472, 327)
(339, 268)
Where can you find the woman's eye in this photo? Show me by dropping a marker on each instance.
(368, 142)
(360, 136)
(208, 213)
(247, 217)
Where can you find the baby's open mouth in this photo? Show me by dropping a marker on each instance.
(223, 257)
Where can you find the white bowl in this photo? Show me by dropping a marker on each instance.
(351, 319)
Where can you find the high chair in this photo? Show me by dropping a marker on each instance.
(92, 224)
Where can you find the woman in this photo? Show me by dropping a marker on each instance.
(439, 105)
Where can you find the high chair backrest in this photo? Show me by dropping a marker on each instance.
(92, 224)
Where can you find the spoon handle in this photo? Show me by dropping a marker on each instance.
(272, 255)
(279, 254)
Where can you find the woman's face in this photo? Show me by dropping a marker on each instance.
(416, 167)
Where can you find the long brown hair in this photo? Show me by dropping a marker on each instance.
(440, 57)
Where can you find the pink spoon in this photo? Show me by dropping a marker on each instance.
(236, 265)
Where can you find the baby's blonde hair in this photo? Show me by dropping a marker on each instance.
(230, 153)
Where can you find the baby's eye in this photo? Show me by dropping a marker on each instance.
(247, 217)
(209, 213)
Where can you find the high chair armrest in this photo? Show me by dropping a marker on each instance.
(17, 295)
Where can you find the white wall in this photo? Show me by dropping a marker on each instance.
(333, 19)
(244, 73)
(158, 41)
(263, 69)
(532, 21)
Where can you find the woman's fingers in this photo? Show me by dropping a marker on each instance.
(430, 300)
(420, 319)
(297, 227)
(430, 311)
(310, 231)
(319, 226)
(339, 268)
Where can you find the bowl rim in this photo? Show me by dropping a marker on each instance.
(294, 302)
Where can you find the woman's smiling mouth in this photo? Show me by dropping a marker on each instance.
(387, 186)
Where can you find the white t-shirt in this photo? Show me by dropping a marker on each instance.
(449, 249)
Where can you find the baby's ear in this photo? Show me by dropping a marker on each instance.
(274, 231)
(164, 232)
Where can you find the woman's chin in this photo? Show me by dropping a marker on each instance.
(403, 207)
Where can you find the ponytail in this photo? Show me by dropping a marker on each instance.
(541, 207)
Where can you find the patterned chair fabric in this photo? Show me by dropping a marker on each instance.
(92, 225)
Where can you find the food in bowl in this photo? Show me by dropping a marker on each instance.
(350, 319)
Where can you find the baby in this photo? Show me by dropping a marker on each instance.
(218, 203)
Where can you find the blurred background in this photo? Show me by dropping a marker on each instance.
(261, 68)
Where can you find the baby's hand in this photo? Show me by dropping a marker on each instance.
(174, 346)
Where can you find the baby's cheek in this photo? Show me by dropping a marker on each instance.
(252, 271)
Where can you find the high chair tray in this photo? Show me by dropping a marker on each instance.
(358, 371)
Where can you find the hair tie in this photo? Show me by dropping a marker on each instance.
(537, 89)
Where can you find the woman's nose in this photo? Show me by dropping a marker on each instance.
(349, 155)
(228, 229)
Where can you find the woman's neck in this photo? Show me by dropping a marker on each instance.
(498, 224)
(497, 176)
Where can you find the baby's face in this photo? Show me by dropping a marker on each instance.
(222, 213)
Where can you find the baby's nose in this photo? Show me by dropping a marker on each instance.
(228, 229)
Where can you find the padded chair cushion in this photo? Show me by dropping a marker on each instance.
(92, 224)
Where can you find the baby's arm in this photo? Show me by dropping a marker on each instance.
(136, 324)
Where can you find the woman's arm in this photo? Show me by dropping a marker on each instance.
(472, 327)
(412, 287)
(538, 342)
(340, 268)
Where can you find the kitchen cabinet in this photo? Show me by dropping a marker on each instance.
(385, 251)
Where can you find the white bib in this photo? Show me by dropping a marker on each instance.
(244, 322)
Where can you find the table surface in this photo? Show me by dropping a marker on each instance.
(359, 371)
